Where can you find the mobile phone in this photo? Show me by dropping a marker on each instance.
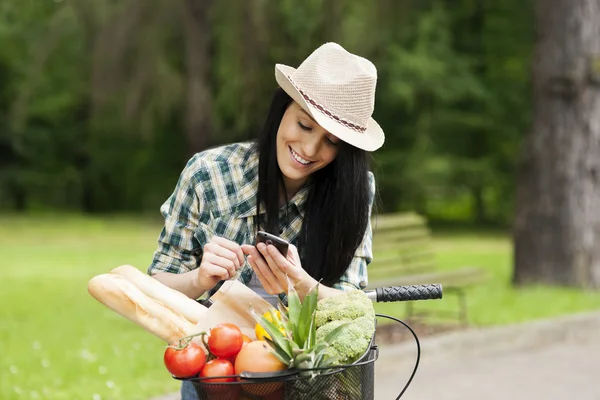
(279, 243)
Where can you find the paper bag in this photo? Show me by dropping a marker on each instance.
(231, 303)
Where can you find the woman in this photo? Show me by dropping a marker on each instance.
(309, 173)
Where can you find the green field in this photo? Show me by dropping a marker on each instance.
(495, 301)
(59, 343)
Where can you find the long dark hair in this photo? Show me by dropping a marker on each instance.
(337, 207)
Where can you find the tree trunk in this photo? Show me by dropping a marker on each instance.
(88, 20)
(198, 37)
(479, 209)
(19, 196)
(557, 222)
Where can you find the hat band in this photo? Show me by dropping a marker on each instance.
(346, 123)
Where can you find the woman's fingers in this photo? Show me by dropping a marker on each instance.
(223, 252)
(251, 251)
(277, 263)
(276, 257)
(248, 249)
(293, 255)
(264, 282)
(260, 266)
(217, 261)
(221, 259)
(231, 246)
(209, 274)
(292, 266)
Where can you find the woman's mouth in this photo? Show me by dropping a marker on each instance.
(299, 159)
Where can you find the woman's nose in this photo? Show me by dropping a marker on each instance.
(311, 146)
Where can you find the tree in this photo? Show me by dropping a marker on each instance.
(557, 221)
(102, 102)
(198, 36)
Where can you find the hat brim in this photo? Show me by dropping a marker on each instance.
(369, 140)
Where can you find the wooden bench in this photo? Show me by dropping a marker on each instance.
(402, 255)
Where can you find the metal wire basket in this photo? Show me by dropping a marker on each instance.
(352, 382)
(344, 382)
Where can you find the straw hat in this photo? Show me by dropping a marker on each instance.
(337, 89)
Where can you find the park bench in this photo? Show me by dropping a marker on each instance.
(402, 255)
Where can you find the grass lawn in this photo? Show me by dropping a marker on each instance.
(495, 302)
(59, 343)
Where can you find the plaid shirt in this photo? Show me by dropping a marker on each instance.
(216, 195)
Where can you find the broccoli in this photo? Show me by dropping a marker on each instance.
(355, 307)
(346, 306)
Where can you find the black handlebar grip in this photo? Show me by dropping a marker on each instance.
(409, 293)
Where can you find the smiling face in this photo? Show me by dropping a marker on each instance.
(303, 147)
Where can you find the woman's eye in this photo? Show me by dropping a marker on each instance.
(331, 142)
(304, 127)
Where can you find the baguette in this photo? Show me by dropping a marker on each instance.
(126, 299)
(178, 302)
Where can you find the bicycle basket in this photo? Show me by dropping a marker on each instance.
(351, 382)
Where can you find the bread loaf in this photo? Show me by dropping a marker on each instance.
(178, 302)
(128, 300)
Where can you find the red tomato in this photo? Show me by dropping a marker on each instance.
(218, 367)
(225, 340)
(246, 341)
(186, 362)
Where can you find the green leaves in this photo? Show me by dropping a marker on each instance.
(458, 75)
(306, 325)
(280, 343)
(299, 347)
(293, 313)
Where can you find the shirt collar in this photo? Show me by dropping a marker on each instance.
(299, 199)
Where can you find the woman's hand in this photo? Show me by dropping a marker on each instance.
(220, 261)
(273, 269)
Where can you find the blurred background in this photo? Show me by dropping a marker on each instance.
(490, 110)
(104, 101)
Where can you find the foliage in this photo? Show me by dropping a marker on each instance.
(298, 345)
(96, 98)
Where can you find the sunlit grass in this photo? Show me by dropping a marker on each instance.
(59, 343)
(496, 301)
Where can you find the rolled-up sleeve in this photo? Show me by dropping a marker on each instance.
(178, 249)
(356, 276)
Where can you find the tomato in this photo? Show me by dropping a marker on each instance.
(218, 367)
(225, 340)
(185, 362)
(232, 358)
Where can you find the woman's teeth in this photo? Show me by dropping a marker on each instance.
(298, 158)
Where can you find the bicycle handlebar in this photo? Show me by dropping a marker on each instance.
(430, 291)
(406, 293)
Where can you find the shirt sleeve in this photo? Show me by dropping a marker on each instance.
(356, 276)
(178, 249)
